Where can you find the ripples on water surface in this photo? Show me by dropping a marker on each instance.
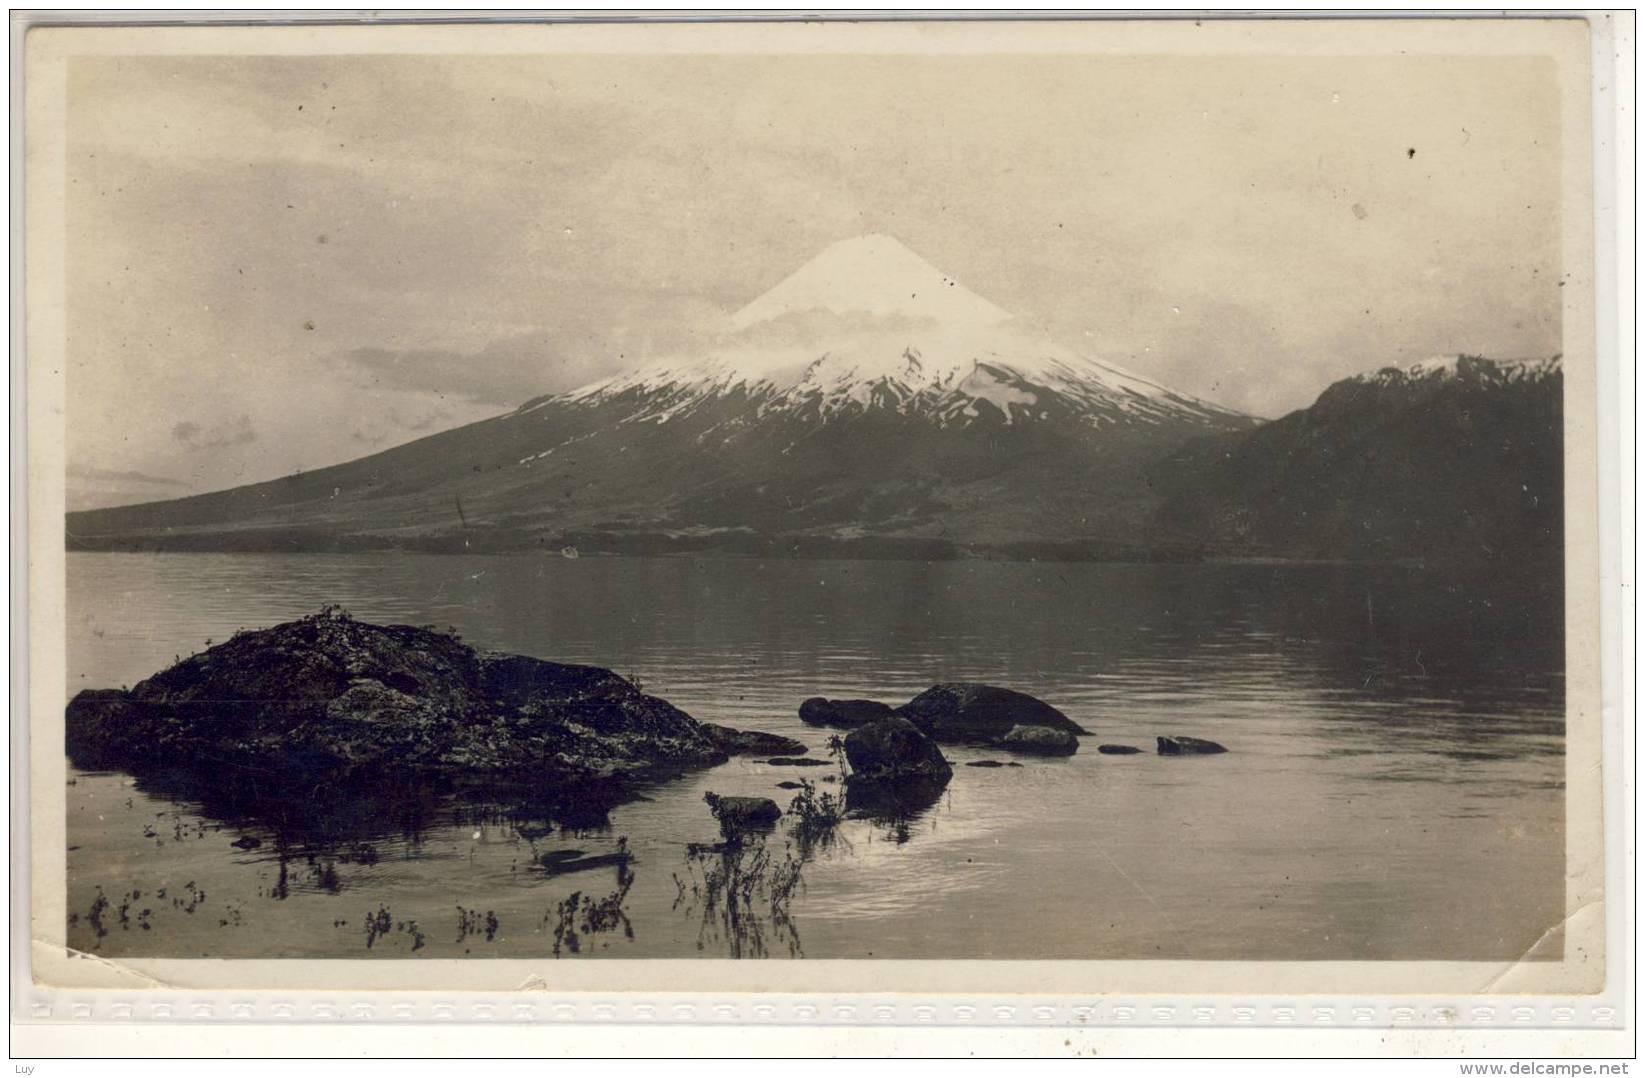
(1393, 787)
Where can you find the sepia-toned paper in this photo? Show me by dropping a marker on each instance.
(1562, 44)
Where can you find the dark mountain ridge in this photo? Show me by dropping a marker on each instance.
(1450, 460)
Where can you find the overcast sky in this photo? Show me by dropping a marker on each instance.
(280, 263)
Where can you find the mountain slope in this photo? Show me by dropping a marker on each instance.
(1453, 459)
(867, 402)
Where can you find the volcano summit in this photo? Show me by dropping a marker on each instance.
(866, 403)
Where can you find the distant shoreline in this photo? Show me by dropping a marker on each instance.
(780, 548)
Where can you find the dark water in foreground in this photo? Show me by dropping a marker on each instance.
(1393, 787)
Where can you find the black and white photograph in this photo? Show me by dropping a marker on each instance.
(876, 497)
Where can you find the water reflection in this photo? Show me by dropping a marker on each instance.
(346, 817)
(1416, 725)
(893, 807)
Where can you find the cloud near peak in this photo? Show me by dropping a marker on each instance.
(196, 436)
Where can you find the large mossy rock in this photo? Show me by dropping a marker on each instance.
(968, 712)
(893, 750)
(328, 691)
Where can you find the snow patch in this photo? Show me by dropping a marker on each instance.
(873, 274)
(984, 384)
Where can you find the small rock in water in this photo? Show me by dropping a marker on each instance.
(985, 763)
(739, 814)
(1187, 746)
(246, 842)
(1118, 750)
(1039, 741)
(789, 785)
(560, 862)
(894, 750)
(847, 714)
(797, 761)
(752, 742)
(961, 712)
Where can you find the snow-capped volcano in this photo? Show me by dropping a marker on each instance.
(868, 404)
(872, 275)
(868, 325)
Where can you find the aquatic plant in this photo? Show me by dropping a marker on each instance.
(836, 751)
(98, 906)
(579, 915)
(378, 924)
(816, 817)
(741, 890)
(471, 923)
(194, 897)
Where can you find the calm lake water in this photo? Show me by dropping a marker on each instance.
(1393, 789)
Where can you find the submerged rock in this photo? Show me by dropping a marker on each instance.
(752, 742)
(984, 763)
(1039, 741)
(845, 714)
(328, 693)
(738, 815)
(797, 761)
(563, 862)
(1187, 746)
(894, 750)
(962, 712)
(1118, 750)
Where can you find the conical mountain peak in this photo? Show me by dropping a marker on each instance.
(875, 275)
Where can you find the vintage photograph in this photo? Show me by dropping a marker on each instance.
(897, 501)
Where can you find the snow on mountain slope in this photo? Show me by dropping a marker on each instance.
(875, 275)
(1476, 368)
(867, 325)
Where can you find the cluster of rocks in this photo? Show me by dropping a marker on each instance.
(887, 744)
(961, 713)
(894, 753)
(330, 695)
